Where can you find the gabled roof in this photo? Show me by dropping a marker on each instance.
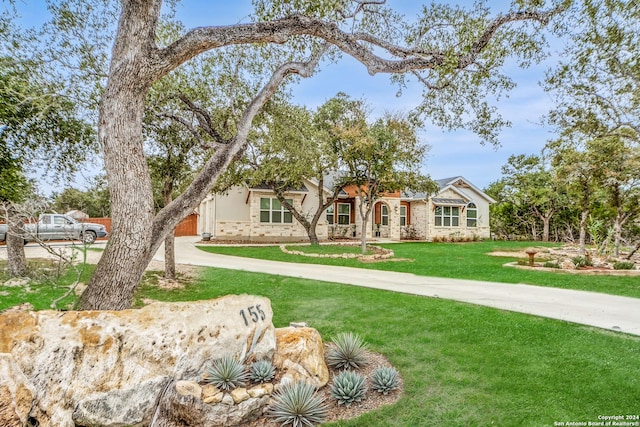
(458, 183)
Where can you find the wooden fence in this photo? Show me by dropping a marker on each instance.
(187, 227)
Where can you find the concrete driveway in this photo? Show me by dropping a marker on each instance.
(621, 314)
(611, 312)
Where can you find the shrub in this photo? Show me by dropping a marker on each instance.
(409, 232)
(551, 264)
(348, 387)
(296, 404)
(624, 265)
(581, 261)
(226, 373)
(385, 380)
(349, 352)
(262, 371)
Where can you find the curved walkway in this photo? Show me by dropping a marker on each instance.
(611, 312)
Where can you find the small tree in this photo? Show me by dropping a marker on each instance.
(382, 158)
(292, 144)
(14, 190)
(531, 185)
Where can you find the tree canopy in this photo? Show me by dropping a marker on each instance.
(455, 53)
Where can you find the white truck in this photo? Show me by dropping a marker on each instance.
(59, 227)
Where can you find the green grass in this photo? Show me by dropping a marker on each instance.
(456, 260)
(462, 365)
(48, 281)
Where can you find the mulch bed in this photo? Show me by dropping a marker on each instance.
(372, 401)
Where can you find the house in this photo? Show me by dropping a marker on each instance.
(458, 210)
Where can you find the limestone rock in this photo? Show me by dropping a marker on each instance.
(176, 410)
(567, 264)
(114, 408)
(227, 400)
(214, 398)
(209, 390)
(189, 388)
(261, 390)
(73, 357)
(16, 393)
(239, 395)
(300, 355)
(17, 282)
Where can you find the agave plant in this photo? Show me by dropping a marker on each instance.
(226, 373)
(385, 380)
(348, 387)
(349, 352)
(262, 371)
(296, 404)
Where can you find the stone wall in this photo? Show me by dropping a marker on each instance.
(419, 218)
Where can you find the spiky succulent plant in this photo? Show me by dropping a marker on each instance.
(262, 371)
(349, 352)
(348, 387)
(298, 405)
(226, 373)
(385, 380)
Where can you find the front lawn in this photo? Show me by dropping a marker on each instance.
(462, 365)
(455, 260)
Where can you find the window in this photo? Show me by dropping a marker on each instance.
(271, 210)
(447, 216)
(330, 214)
(344, 213)
(472, 215)
(403, 216)
(384, 214)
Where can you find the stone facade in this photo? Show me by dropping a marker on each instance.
(462, 231)
(235, 215)
(418, 219)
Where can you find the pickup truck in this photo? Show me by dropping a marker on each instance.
(59, 227)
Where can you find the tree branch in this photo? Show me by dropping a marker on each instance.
(204, 119)
(201, 39)
(169, 216)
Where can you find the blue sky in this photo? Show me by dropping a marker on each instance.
(452, 153)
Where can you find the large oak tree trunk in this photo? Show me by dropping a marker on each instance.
(120, 134)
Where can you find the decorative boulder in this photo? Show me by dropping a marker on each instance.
(300, 355)
(109, 368)
(567, 264)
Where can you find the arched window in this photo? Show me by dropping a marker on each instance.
(472, 215)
